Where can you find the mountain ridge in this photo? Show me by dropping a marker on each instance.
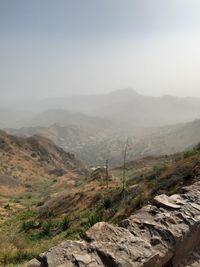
(125, 108)
(95, 144)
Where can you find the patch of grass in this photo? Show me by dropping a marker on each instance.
(158, 169)
(27, 225)
(25, 215)
(46, 228)
(93, 219)
(88, 223)
(15, 256)
(65, 223)
(190, 152)
(13, 251)
(100, 203)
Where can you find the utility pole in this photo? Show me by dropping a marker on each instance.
(107, 173)
(124, 166)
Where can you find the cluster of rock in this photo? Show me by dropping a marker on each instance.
(163, 234)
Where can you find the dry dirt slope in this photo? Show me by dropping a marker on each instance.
(32, 169)
(24, 157)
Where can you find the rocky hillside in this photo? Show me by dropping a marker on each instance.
(59, 208)
(95, 127)
(171, 139)
(81, 140)
(98, 142)
(36, 152)
(162, 234)
(31, 169)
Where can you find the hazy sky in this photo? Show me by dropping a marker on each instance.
(64, 47)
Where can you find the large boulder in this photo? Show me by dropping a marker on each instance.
(164, 234)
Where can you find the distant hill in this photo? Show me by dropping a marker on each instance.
(80, 139)
(33, 169)
(171, 139)
(10, 117)
(129, 109)
(35, 158)
(63, 117)
(95, 145)
(124, 108)
(95, 127)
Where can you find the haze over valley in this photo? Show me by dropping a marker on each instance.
(95, 127)
(99, 133)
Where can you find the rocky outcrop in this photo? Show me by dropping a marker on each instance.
(164, 234)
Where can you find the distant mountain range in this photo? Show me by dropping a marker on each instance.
(64, 117)
(129, 109)
(95, 127)
(172, 139)
(95, 145)
(125, 108)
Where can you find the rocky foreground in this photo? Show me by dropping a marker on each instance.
(163, 234)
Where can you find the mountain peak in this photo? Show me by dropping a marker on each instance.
(125, 92)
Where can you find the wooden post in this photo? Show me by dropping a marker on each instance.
(107, 172)
(124, 166)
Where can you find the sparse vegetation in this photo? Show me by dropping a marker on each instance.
(107, 202)
(46, 228)
(78, 203)
(27, 225)
(65, 223)
(189, 153)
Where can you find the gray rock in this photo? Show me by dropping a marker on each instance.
(34, 263)
(165, 202)
(166, 234)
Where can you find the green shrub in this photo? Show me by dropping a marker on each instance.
(89, 222)
(26, 226)
(46, 228)
(65, 223)
(157, 170)
(187, 174)
(82, 233)
(93, 219)
(25, 215)
(7, 207)
(189, 153)
(198, 147)
(14, 257)
(107, 203)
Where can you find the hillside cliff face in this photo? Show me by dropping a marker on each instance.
(35, 151)
(29, 163)
(163, 234)
(98, 142)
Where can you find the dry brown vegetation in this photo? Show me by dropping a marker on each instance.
(47, 208)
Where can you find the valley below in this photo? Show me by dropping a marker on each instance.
(79, 171)
(99, 133)
(50, 196)
(96, 127)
